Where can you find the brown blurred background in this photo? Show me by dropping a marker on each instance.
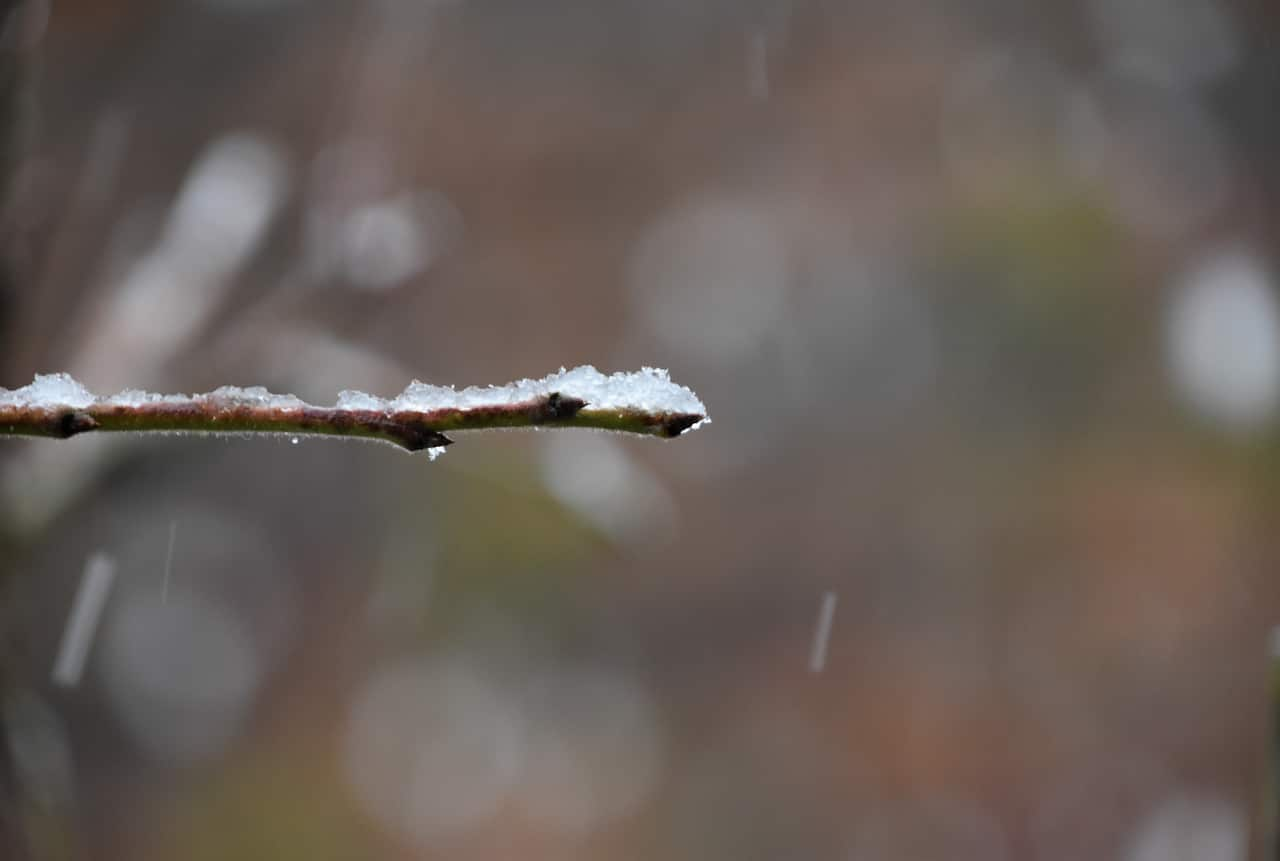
(981, 296)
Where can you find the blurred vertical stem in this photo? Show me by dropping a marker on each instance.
(1271, 798)
(18, 35)
(15, 44)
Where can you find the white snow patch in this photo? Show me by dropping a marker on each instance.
(139, 398)
(649, 390)
(255, 396)
(48, 392)
(350, 399)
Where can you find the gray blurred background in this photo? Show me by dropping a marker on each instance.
(981, 296)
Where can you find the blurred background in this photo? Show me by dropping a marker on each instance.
(981, 296)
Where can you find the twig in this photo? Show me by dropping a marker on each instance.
(401, 421)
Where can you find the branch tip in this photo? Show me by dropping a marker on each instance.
(418, 439)
(673, 426)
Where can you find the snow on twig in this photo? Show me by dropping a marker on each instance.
(642, 402)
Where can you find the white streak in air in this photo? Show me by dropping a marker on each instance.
(818, 652)
(168, 560)
(77, 637)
